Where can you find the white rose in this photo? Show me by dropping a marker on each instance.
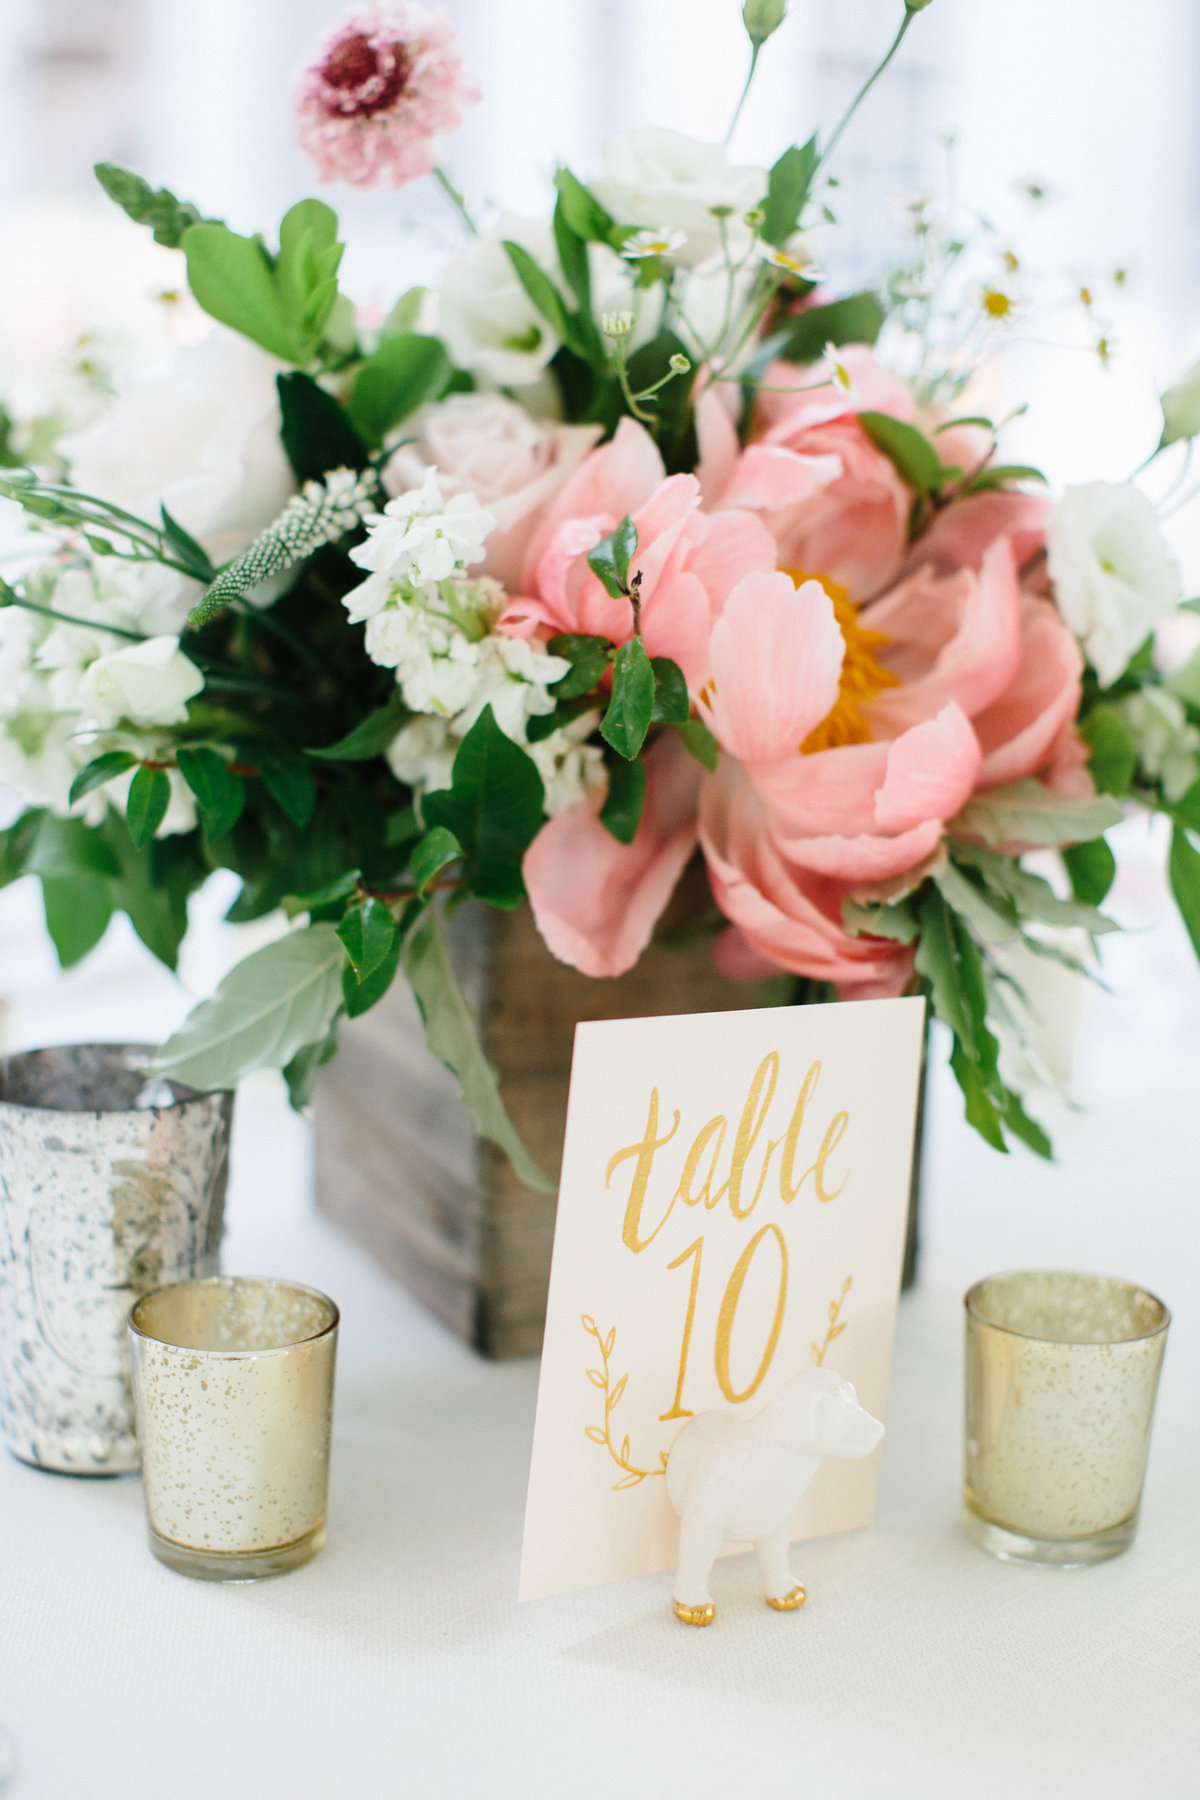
(514, 465)
(203, 440)
(1113, 574)
(147, 684)
(667, 182)
(488, 321)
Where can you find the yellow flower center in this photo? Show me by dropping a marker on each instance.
(862, 674)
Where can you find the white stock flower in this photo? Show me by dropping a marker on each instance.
(489, 323)
(1114, 577)
(667, 182)
(147, 684)
(203, 439)
(422, 754)
(1168, 746)
(422, 537)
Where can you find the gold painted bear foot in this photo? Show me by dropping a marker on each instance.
(695, 1615)
(790, 1602)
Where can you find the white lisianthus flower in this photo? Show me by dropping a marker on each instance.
(146, 684)
(202, 439)
(422, 537)
(489, 323)
(1114, 577)
(667, 182)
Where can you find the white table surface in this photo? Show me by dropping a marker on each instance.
(398, 1665)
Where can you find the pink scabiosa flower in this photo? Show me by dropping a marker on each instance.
(385, 85)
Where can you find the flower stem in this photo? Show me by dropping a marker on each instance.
(9, 598)
(455, 198)
(864, 90)
(756, 46)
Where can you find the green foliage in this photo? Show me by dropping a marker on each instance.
(671, 703)
(1028, 812)
(1091, 870)
(16, 842)
(316, 433)
(270, 1006)
(1026, 896)
(653, 368)
(282, 302)
(146, 803)
(291, 784)
(359, 995)
(1181, 408)
(631, 707)
(77, 910)
(405, 372)
(788, 186)
(167, 217)
(69, 848)
(609, 559)
(583, 213)
(621, 813)
(451, 1036)
(301, 1073)
(152, 883)
(855, 319)
(371, 736)
(220, 795)
(1183, 868)
(494, 808)
(101, 769)
(898, 922)
(368, 932)
(435, 852)
(915, 459)
(589, 658)
(1113, 760)
(547, 300)
(700, 743)
(1002, 475)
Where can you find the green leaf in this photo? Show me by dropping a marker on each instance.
(980, 1109)
(271, 1005)
(436, 851)
(233, 281)
(609, 559)
(358, 996)
(77, 909)
(404, 315)
(401, 376)
(98, 771)
(371, 736)
(856, 319)
(699, 742)
(541, 291)
(631, 707)
(68, 847)
(187, 551)
(671, 703)
(895, 922)
(621, 813)
(787, 193)
(340, 888)
(589, 656)
(316, 434)
(1113, 758)
(301, 1073)
(167, 217)
(1028, 812)
(306, 271)
(152, 884)
(1091, 869)
(582, 211)
(914, 457)
(368, 931)
(992, 919)
(146, 803)
(1030, 895)
(1183, 867)
(1185, 682)
(1005, 475)
(451, 1036)
(16, 843)
(291, 784)
(1181, 408)
(220, 794)
(573, 258)
(1028, 1130)
(494, 807)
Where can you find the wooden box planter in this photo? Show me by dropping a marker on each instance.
(399, 1164)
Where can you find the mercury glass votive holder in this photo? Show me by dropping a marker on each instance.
(233, 1383)
(1062, 1373)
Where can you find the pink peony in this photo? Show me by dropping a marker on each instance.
(689, 560)
(384, 87)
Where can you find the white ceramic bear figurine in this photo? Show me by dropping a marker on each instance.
(741, 1479)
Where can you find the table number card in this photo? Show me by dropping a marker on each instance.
(732, 1210)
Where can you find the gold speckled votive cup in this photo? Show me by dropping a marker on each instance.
(233, 1384)
(1062, 1372)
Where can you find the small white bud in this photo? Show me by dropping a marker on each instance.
(764, 17)
(679, 365)
(616, 324)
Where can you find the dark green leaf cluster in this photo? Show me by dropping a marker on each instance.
(167, 217)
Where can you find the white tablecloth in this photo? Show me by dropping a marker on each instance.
(399, 1664)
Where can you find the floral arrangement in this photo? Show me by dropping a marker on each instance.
(624, 546)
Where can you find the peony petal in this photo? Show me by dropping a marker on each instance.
(832, 792)
(716, 440)
(931, 772)
(616, 479)
(596, 901)
(1021, 732)
(776, 655)
(854, 859)
(766, 478)
(736, 544)
(962, 532)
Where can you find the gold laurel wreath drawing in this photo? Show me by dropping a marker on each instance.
(612, 1391)
(836, 1324)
